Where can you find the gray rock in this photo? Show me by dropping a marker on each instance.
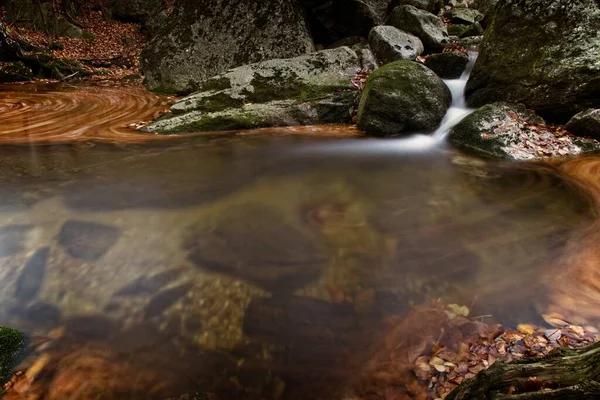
(368, 59)
(87, 240)
(402, 97)
(428, 27)
(504, 130)
(361, 46)
(448, 65)
(391, 44)
(586, 123)
(468, 16)
(303, 90)
(557, 45)
(135, 10)
(155, 22)
(203, 39)
(332, 20)
(486, 7)
(432, 6)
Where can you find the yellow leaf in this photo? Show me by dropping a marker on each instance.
(526, 329)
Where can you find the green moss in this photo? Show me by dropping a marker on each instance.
(11, 344)
(216, 83)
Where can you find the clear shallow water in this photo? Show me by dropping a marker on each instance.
(264, 266)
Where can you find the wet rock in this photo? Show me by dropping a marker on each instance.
(458, 30)
(165, 299)
(15, 72)
(557, 44)
(391, 44)
(12, 239)
(200, 40)
(150, 284)
(426, 26)
(332, 20)
(511, 131)
(258, 244)
(91, 327)
(586, 123)
(135, 10)
(448, 65)
(32, 276)
(43, 314)
(304, 90)
(402, 97)
(138, 337)
(432, 6)
(87, 240)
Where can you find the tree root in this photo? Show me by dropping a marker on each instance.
(562, 374)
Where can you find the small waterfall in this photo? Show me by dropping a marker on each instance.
(458, 109)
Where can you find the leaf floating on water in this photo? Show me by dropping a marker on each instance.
(457, 310)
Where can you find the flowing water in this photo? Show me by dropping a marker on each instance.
(262, 264)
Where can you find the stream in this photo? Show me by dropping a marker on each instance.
(266, 262)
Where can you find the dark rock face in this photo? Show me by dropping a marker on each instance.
(87, 240)
(135, 10)
(586, 123)
(332, 20)
(403, 97)
(311, 89)
(203, 39)
(258, 244)
(38, 15)
(504, 130)
(391, 44)
(449, 65)
(432, 6)
(426, 26)
(543, 54)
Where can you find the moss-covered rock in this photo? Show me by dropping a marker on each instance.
(544, 54)
(203, 39)
(463, 15)
(448, 65)
(11, 344)
(391, 44)
(303, 90)
(15, 72)
(402, 97)
(433, 6)
(503, 130)
(426, 26)
(586, 123)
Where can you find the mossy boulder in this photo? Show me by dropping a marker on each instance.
(503, 130)
(463, 15)
(391, 44)
(402, 97)
(11, 344)
(448, 65)
(544, 54)
(15, 72)
(426, 26)
(586, 123)
(432, 6)
(303, 90)
(203, 39)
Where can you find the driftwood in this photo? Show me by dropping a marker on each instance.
(562, 374)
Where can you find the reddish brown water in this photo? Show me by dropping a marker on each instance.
(262, 264)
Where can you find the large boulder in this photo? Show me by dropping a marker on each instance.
(304, 90)
(403, 97)
(433, 6)
(586, 123)
(391, 44)
(332, 20)
(543, 54)
(135, 10)
(426, 26)
(504, 130)
(203, 39)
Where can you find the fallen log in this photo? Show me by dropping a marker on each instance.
(562, 374)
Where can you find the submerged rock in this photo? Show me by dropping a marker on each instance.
(448, 65)
(203, 39)
(544, 54)
(505, 130)
(391, 44)
(32, 276)
(304, 90)
(586, 123)
(426, 26)
(403, 97)
(87, 240)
